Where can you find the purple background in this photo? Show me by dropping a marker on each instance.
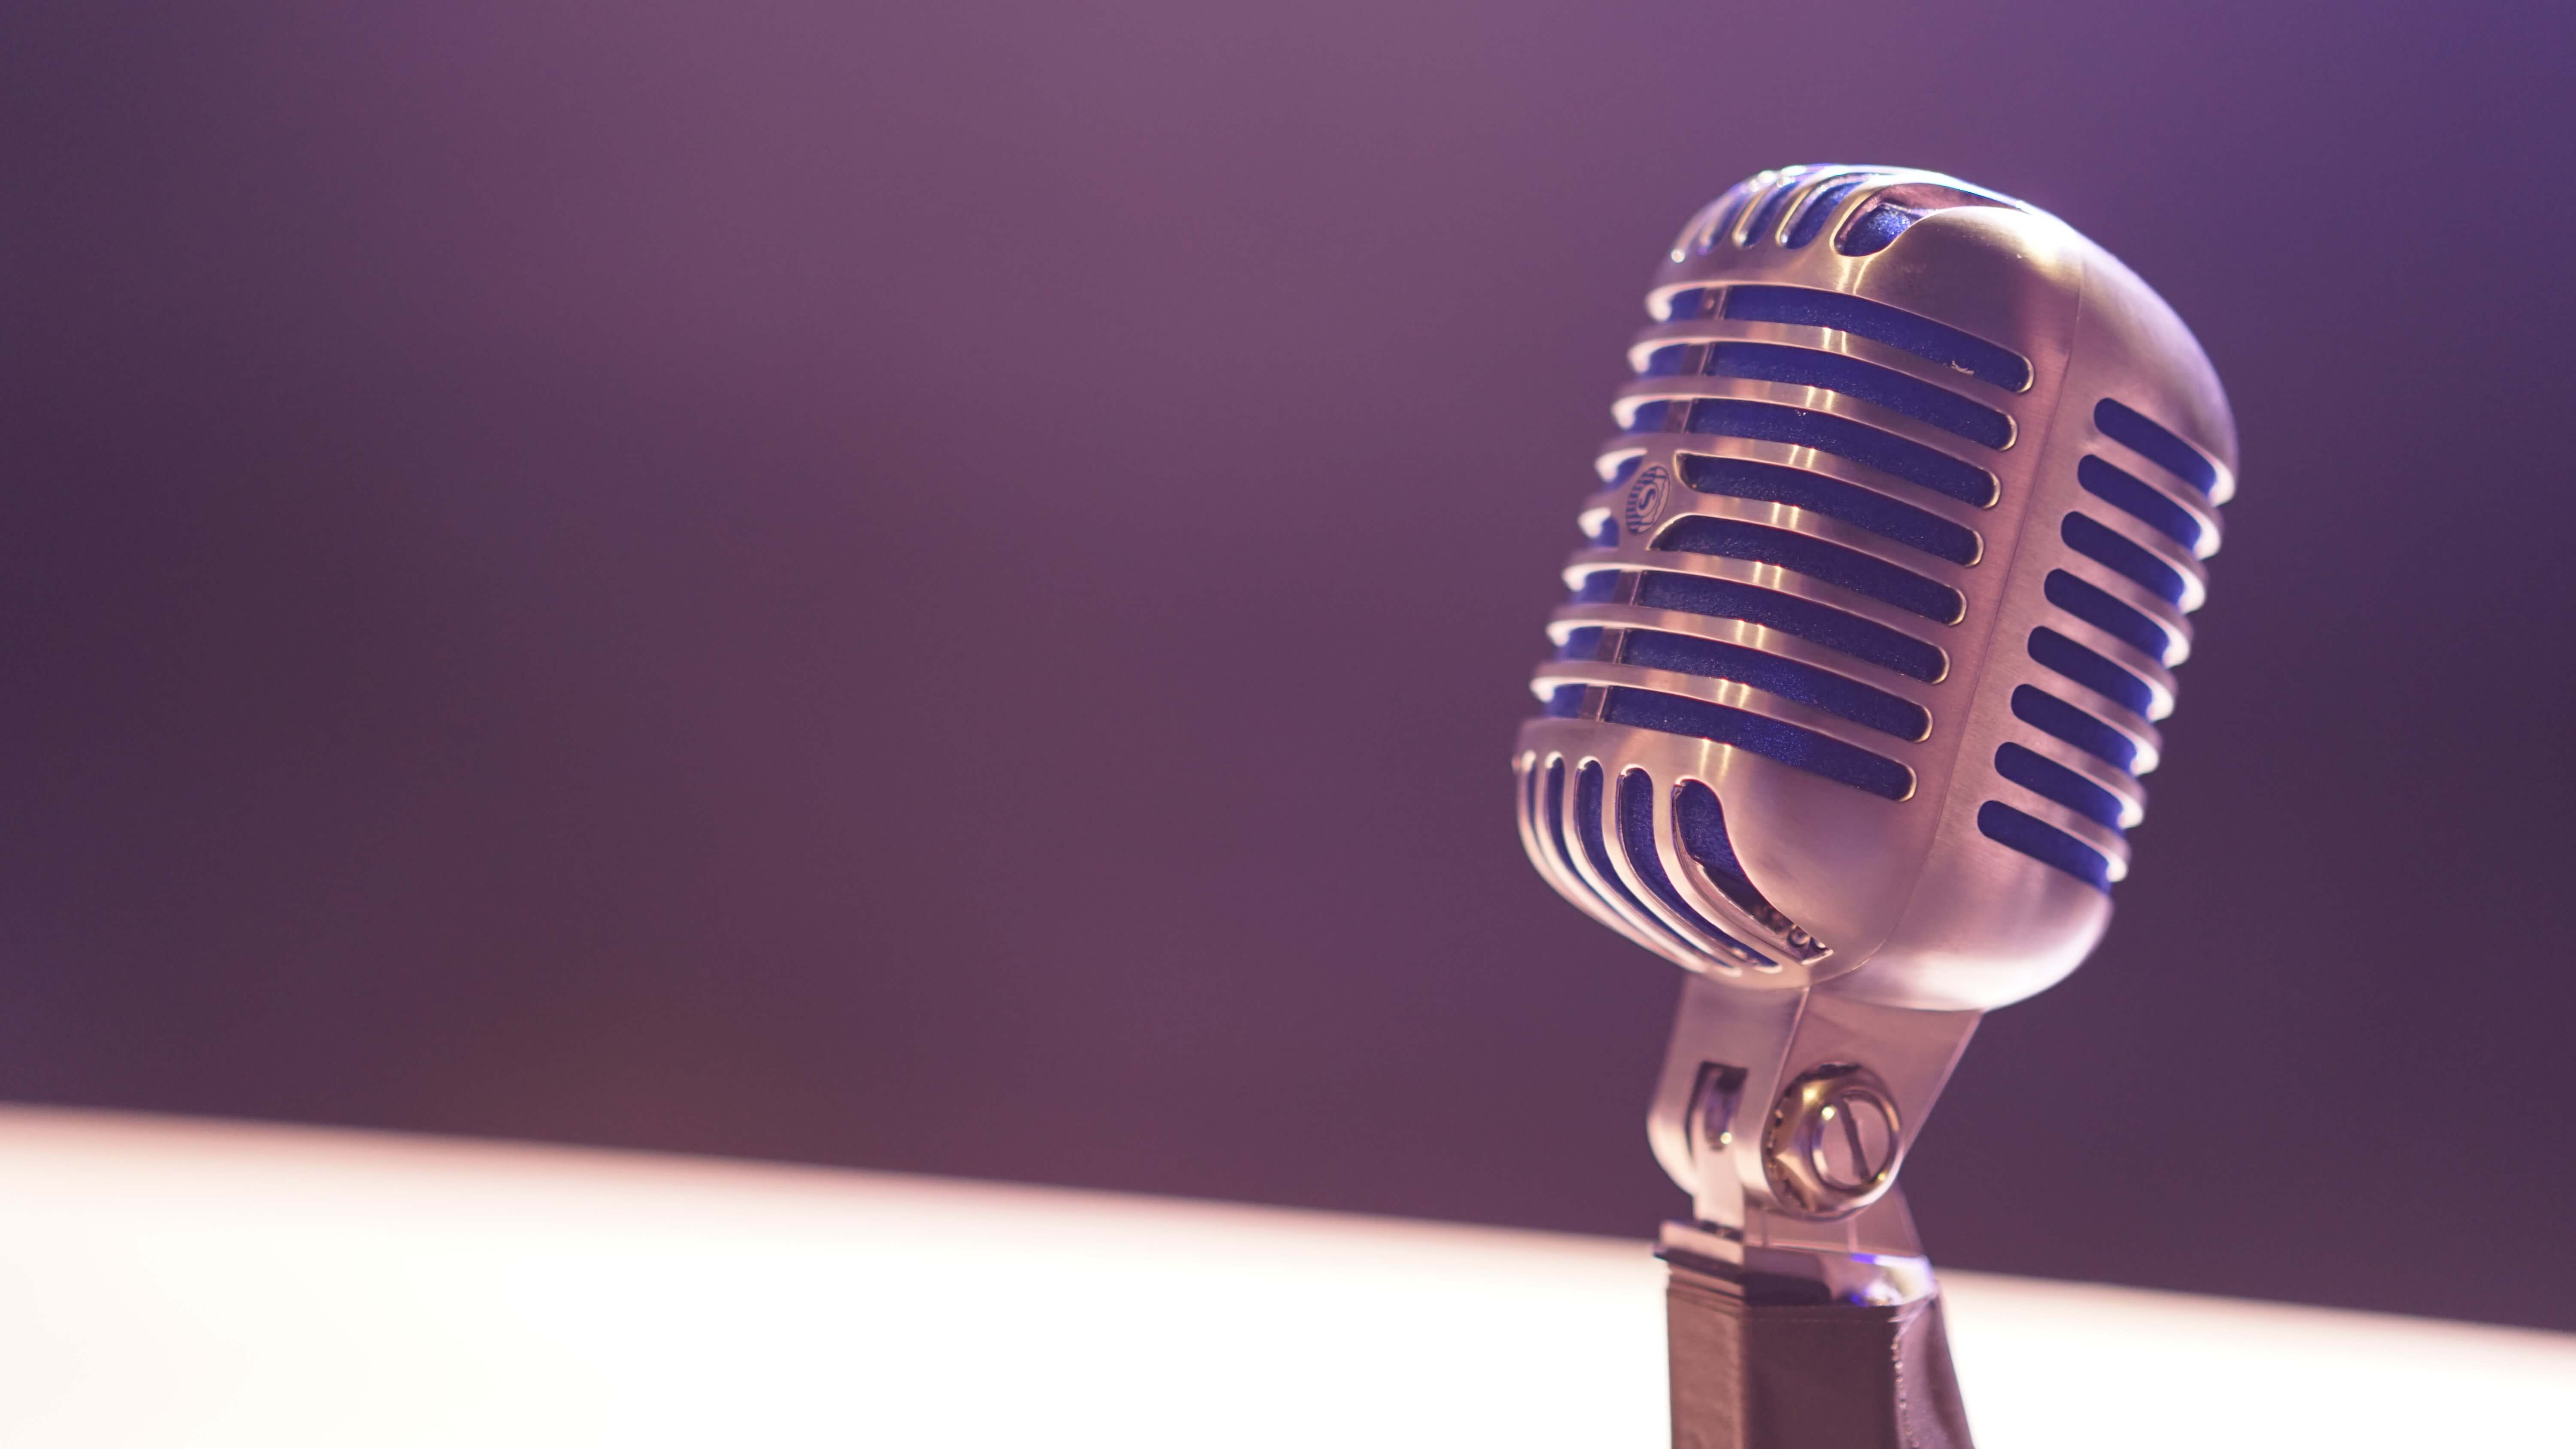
(948, 587)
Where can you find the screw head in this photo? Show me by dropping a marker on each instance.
(1834, 1141)
(1854, 1142)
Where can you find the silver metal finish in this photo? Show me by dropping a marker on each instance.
(1738, 1107)
(1879, 607)
(1831, 1142)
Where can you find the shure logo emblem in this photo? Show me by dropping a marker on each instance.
(1646, 497)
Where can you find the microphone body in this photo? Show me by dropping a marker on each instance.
(1876, 616)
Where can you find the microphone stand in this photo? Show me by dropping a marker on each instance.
(1800, 1311)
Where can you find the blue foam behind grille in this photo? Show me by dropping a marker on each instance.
(1637, 833)
(1666, 361)
(1582, 643)
(1700, 823)
(1835, 564)
(2044, 843)
(2125, 425)
(1817, 624)
(1820, 209)
(1899, 457)
(2091, 670)
(2121, 556)
(1605, 534)
(2108, 614)
(1596, 846)
(1817, 688)
(1556, 828)
(2050, 780)
(1565, 701)
(1874, 229)
(1598, 587)
(1860, 507)
(1685, 305)
(1871, 383)
(1932, 341)
(2046, 711)
(1656, 417)
(2139, 500)
(1769, 738)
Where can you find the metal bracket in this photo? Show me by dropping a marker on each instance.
(1786, 1115)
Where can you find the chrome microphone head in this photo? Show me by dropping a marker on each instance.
(1881, 597)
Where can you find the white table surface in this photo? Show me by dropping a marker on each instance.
(169, 1282)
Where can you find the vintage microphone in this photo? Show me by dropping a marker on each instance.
(1847, 716)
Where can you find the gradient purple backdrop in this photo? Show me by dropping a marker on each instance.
(948, 588)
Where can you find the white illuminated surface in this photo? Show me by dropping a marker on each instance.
(171, 1283)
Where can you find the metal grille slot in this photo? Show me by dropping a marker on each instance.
(1853, 377)
(2143, 502)
(1849, 568)
(2046, 711)
(1814, 492)
(1773, 739)
(1618, 870)
(1712, 659)
(1700, 822)
(2048, 779)
(1819, 210)
(1637, 838)
(1766, 222)
(1876, 228)
(1699, 828)
(2133, 430)
(1753, 211)
(1597, 890)
(1604, 872)
(1901, 458)
(2044, 843)
(1716, 221)
(1682, 306)
(1670, 361)
(2112, 617)
(1542, 818)
(1814, 622)
(1905, 331)
(2093, 671)
(2109, 549)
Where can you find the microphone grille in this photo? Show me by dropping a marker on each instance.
(1794, 527)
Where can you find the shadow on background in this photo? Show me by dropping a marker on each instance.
(949, 589)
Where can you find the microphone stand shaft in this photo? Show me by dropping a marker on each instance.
(1753, 1374)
